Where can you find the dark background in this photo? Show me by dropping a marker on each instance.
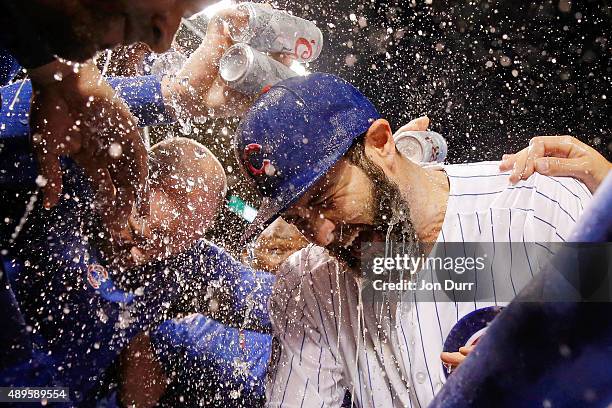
(490, 74)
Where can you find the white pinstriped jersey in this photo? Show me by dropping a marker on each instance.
(387, 353)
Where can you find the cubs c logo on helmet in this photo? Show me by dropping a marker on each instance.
(96, 274)
(469, 330)
(249, 150)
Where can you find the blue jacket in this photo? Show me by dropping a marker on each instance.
(80, 313)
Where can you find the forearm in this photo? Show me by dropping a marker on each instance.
(142, 94)
(187, 92)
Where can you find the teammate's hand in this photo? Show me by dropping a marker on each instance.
(453, 360)
(418, 124)
(275, 244)
(78, 115)
(558, 156)
(198, 87)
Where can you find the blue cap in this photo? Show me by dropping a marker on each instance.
(294, 133)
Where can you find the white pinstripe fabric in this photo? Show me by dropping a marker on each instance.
(387, 354)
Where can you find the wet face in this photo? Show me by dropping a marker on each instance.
(170, 228)
(187, 189)
(355, 202)
(77, 29)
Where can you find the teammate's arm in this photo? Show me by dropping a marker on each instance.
(142, 94)
(197, 87)
(238, 294)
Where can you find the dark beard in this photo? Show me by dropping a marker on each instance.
(392, 223)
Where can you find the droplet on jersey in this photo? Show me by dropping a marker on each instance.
(58, 76)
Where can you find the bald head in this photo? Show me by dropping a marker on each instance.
(188, 187)
(190, 175)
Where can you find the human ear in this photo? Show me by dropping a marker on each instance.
(379, 141)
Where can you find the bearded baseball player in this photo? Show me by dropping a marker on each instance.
(325, 160)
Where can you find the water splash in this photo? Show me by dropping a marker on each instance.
(24, 218)
(109, 53)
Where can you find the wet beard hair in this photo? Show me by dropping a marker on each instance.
(391, 211)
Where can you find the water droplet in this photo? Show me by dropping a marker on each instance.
(115, 150)
(41, 181)
(213, 305)
(270, 170)
(564, 350)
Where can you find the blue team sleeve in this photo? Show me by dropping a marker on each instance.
(200, 351)
(142, 94)
(17, 165)
(250, 288)
(14, 114)
(144, 97)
